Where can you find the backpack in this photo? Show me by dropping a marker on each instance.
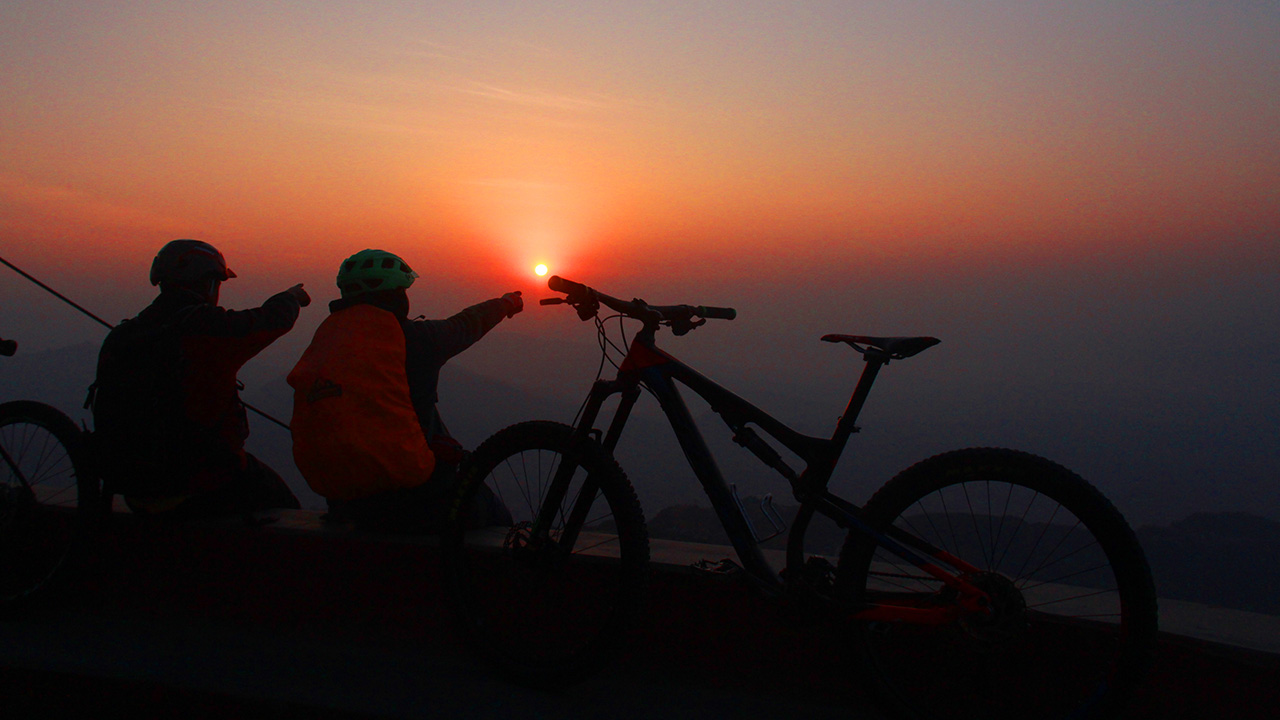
(136, 401)
(355, 430)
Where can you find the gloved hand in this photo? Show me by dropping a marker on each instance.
(300, 295)
(514, 302)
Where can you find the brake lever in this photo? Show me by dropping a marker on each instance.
(587, 310)
(684, 325)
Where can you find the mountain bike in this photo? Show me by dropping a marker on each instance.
(977, 583)
(46, 496)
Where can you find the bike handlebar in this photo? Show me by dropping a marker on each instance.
(8, 347)
(716, 313)
(681, 318)
(568, 287)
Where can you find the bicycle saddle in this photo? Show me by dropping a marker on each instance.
(897, 348)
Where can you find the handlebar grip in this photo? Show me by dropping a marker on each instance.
(716, 313)
(8, 347)
(568, 287)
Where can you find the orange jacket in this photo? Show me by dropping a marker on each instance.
(355, 431)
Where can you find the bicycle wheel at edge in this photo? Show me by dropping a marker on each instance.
(1074, 618)
(545, 615)
(42, 520)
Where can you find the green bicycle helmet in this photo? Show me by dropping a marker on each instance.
(371, 270)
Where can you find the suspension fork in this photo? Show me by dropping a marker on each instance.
(582, 435)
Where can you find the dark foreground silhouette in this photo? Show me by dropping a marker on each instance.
(248, 627)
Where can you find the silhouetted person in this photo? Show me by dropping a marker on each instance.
(366, 433)
(169, 427)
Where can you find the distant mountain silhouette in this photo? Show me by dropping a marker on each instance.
(57, 377)
(1226, 559)
(1162, 444)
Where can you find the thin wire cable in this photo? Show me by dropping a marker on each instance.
(624, 349)
(600, 340)
(55, 293)
(109, 326)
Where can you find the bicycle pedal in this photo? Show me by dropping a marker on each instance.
(719, 568)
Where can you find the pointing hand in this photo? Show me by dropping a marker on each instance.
(514, 302)
(300, 295)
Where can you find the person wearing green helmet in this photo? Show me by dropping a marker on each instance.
(366, 432)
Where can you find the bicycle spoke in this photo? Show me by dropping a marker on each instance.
(1060, 579)
(530, 503)
(1022, 522)
(1064, 558)
(606, 541)
(1081, 596)
(977, 534)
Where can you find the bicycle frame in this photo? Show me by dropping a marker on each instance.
(645, 364)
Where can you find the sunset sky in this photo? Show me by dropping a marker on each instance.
(1007, 174)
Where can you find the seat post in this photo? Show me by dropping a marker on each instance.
(875, 360)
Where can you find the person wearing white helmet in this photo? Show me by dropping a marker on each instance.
(169, 427)
(366, 432)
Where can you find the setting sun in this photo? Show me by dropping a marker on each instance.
(540, 270)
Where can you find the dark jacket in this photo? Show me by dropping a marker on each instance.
(167, 412)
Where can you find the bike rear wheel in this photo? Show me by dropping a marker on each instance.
(541, 611)
(1073, 617)
(46, 496)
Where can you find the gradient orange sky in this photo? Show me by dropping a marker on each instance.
(1071, 194)
(717, 142)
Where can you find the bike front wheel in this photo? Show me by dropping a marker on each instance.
(46, 495)
(546, 602)
(1071, 620)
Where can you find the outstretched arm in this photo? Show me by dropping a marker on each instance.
(455, 334)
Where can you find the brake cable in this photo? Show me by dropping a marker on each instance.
(109, 326)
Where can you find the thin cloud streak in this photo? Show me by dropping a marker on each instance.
(537, 99)
(402, 102)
